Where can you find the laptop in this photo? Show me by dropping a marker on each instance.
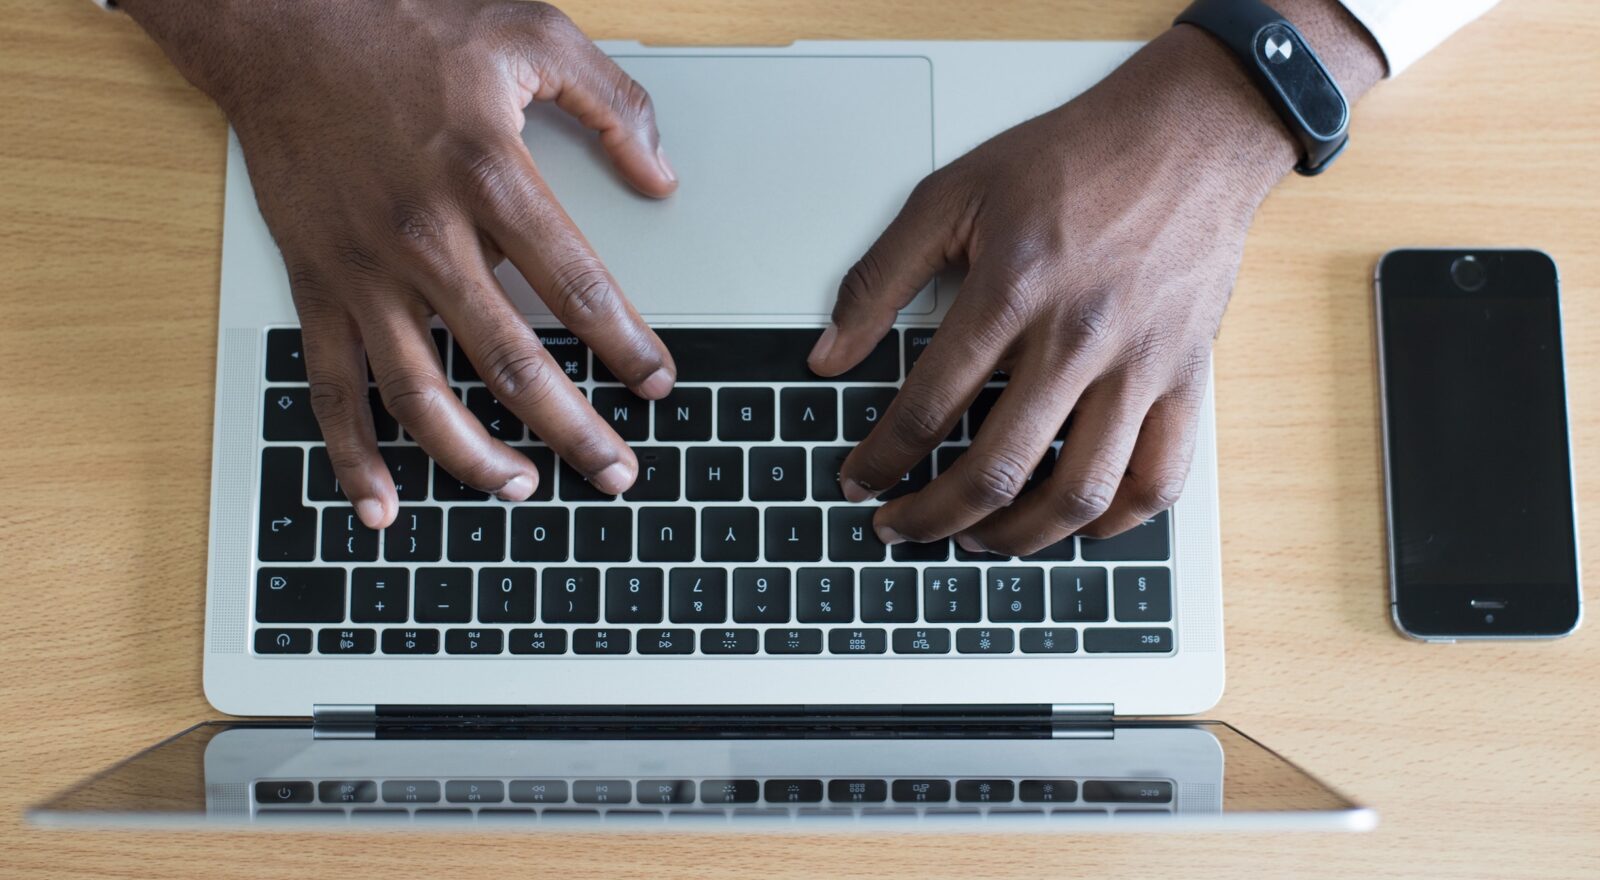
(727, 640)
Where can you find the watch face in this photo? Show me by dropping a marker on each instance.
(1275, 44)
(1308, 92)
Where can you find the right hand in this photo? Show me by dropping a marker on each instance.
(382, 140)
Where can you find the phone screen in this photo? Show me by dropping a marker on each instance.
(1481, 521)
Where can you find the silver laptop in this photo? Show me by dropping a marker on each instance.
(474, 612)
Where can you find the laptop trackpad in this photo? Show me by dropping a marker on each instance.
(788, 168)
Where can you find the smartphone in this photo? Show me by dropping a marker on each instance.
(1478, 485)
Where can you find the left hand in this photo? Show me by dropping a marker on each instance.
(1101, 242)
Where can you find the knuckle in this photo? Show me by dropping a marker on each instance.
(332, 399)
(356, 258)
(545, 15)
(1161, 491)
(411, 397)
(918, 416)
(583, 290)
(491, 179)
(414, 229)
(855, 291)
(515, 370)
(632, 101)
(993, 480)
(1086, 497)
(1092, 324)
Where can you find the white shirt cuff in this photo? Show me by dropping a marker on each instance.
(1406, 30)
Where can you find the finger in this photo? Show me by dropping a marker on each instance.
(989, 475)
(587, 84)
(1158, 467)
(521, 374)
(918, 243)
(526, 222)
(336, 367)
(941, 386)
(412, 384)
(1083, 484)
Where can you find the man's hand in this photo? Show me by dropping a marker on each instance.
(1101, 242)
(382, 139)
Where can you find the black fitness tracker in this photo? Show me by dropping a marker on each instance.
(1290, 75)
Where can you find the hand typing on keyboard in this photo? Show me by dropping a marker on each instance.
(1101, 242)
(382, 141)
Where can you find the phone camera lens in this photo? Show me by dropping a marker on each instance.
(1468, 274)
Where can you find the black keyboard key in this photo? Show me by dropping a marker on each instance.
(568, 351)
(574, 487)
(1142, 595)
(351, 791)
(1049, 640)
(571, 595)
(729, 791)
(602, 534)
(288, 529)
(920, 791)
(497, 419)
(410, 641)
(538, 641)
(345, 539)
(920, 475)
(633, 595)
(627, 414)
(383, 424)
(825, 595)
(283, 641)
(794, 534)
(777, 473)
(1078, 594)
(888, 595)
(408, 467)
(287, 416)
(908, 551)
(944, 458)
(1154, 640)
(685, 414)
(443, 595)
(473, 641)
(537, 791)
(922, 640)
(507, 595)
(715, 473)
(952, 594)
(857, 641)
(729, 641)
(658, 479)
(416, 535)
(284, 792)
(601, 641)
(321, 484)
(602, 791)
(982, 791)
(981, 406)
(699, 595)
(539, 534)
(793, 641)
(474, 791)
(1150, 541)
(729, 534)
(300, 595)
(666, 641)
(1016, 594)
(850, 535)
(477, 534)
(1129, 791)
(666, 534)
(545, 462)
(825, 464)
(1047, 791)
(985, 640)
(792, 791)
(745, 413)
(763, 355)
(863, 409)
(285, 360)
(858, 791)
(380, 595)
(808, 414)
(447, 488)
(761, 595)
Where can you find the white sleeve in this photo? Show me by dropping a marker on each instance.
(1408, 29)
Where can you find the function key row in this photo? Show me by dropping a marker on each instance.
(762, 595)
(713, 791)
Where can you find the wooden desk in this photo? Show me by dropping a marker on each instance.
(1484, 759)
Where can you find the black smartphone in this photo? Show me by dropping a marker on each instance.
(1482, 520)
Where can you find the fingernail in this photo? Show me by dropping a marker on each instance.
(666, 167)
(370, 511)
(657, 386)
(819, 352)
(614, 479)
(518, 488)
(855, 492)
(970, 544)
(888, 536)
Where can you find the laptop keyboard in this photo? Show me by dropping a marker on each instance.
(734, 541)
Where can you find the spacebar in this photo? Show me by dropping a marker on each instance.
(762, 355)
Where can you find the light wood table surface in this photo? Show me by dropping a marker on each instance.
(1484, 759)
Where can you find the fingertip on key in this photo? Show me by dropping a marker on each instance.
(888, 536)
(657, 385)
(518, 488)
(614, 479)
(855, 492)
(824, 347)
(370, 512)
(970, 544)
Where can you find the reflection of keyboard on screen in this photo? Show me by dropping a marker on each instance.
(734, 541)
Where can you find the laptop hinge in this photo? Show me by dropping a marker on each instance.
(344, 721)
(1082, 711)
